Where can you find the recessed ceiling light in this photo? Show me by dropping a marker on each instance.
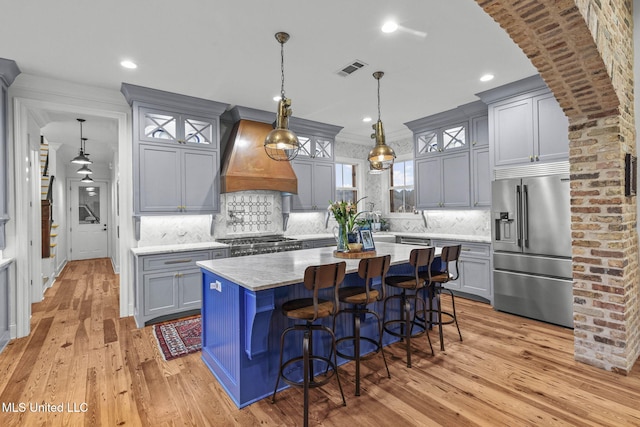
(389, 27)
(366, 119)
(129, 64)
(486, 78)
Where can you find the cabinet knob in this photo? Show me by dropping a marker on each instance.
(537, 158)
(531, 158)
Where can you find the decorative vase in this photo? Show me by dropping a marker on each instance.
(343, 239)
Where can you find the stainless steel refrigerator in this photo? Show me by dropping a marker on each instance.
(532, 248)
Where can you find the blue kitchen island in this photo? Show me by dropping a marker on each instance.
(241, 322)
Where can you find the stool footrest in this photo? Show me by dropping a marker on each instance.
(402, 322)
(375, 351)
(312, 383)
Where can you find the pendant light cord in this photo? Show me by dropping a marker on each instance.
(282, 70)
(378, 99)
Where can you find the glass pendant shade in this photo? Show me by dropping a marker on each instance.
(382, 156)
(375, 168)
(86, 178)
(84, 170)
(282, 144)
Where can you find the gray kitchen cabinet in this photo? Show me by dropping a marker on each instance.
(171, 179)
(475, 269)
(443, 181)
(316, 185)
(315, 147)
(314, 165)
(176, 158)
(526, 124)
(8, 72)
(5, 334)
(169, 285)
(450, 153)
(168, 127)
(481, 177)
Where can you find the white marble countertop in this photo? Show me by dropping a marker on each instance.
(5, 261)
(167, 249)
(421, 235)
(266, 271)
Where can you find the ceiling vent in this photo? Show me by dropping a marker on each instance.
(351, 68)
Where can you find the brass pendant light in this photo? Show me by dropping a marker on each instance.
(282, 144)
(381, 157)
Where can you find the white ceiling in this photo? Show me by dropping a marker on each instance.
(226, 51)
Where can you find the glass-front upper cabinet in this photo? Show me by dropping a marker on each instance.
(443, 139)
(315, 147)
(163, 126)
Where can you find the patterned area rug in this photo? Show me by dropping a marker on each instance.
(179, 337)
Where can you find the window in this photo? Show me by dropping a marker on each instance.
(402, 197)
(89, 205)
(346, 182)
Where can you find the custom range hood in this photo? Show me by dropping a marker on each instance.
(245, 164)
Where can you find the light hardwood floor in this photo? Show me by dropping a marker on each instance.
(508, 371)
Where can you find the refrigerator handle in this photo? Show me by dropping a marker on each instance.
(525, 216)
(519, 215)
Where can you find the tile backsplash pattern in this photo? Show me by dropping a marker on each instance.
(249, 212)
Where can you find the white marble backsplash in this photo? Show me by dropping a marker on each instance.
(169, 230)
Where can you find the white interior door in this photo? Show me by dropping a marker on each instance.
(89, 220)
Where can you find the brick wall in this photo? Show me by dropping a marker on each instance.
(583, 50)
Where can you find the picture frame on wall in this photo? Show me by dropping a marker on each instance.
(367, 240)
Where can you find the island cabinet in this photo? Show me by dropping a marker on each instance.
(176, 153)
(169, 285)
(451, 158)
(242, 318)
(8, 72)
(475, 269)
(526, 124)
(314, 165)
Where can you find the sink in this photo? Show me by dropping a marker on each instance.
(387, 238)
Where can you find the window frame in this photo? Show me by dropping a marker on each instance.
(360, 164)
(386, 199)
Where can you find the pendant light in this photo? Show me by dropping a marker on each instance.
(84, 170)
(86, 178)
(381, 157)
(81, 158)
(282, 144)
(375, 168)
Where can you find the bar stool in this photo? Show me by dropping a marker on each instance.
(422, 257)
(450, 254)
(359, 298)
(310, 309)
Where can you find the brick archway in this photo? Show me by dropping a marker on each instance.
(583, 50)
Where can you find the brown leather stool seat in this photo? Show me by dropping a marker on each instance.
(359, 298)
(309, 310)
(410, 287)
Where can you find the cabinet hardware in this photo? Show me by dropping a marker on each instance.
(537, 158)
(178, 261)
(531, 158)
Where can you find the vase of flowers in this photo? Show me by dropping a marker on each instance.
(346, 214)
